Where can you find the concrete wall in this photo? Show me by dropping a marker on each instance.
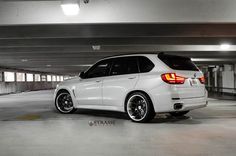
(13, 87)
(221, 78)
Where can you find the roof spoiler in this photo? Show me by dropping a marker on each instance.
(164, 54)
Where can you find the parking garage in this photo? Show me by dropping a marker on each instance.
(43, 43)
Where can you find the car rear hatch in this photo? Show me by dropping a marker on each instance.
(192, 87)
(183, 67)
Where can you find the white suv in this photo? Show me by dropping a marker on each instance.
(139, 84)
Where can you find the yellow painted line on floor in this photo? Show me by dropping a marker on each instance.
(28, 117)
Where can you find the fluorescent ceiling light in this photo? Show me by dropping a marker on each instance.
(225, 46)
(70, 7)
(79, 65)
(84, 65)
(96, 47)
(24, 60)
(210, 59)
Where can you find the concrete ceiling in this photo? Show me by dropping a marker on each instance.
(119, 11)
(47, 41)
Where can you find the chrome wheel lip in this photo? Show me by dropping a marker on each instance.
(59, 108)
(128, 107)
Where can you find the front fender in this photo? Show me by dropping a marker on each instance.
(68, 89)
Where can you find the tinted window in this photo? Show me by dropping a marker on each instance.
(98, 70)
(124, 66)
(178, 62)
(145, 65)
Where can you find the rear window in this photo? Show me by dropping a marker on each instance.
(178, 62)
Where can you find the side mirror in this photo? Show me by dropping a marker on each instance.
(81, 75)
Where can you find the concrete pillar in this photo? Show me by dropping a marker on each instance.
(25, 77)
(228, 78)
(215, 75)
(33, 77)
(15, 76)
(208, 80)
(40, 77)
(234, 75)
(1, 76)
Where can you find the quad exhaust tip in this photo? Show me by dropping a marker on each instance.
(178, 106)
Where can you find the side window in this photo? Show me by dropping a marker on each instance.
(126, 65)
(145, 65)
(98, 70)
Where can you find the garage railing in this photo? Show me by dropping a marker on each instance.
(222, 90)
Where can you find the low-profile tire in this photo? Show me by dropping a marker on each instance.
(176, 114)
(64, 103)
(139, 107)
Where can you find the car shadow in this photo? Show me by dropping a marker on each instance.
(166, 118)
(160, 118)
(54, 114)
(103, 113)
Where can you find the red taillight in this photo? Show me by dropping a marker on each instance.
(172, 78)
(202, 79)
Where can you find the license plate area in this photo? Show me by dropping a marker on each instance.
(193, 82)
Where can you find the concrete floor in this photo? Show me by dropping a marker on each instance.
(30, 126)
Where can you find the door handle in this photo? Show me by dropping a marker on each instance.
(132, 77)
(98, 80)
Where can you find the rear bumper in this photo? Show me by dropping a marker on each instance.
(190, 103)
(164, 104)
